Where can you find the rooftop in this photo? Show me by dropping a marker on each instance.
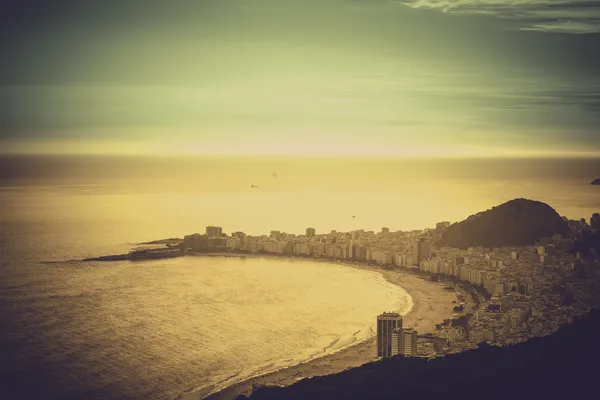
(389, 315)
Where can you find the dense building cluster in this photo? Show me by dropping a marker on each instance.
(504, 295)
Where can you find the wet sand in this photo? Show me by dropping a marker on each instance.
(431, 305)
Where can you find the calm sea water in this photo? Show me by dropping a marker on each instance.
(153, 330)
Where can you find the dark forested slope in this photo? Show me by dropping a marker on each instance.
(519, 222)
(559, 366)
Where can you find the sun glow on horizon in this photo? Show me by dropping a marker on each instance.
(167, 149)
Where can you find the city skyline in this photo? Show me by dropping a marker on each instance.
(294, 78)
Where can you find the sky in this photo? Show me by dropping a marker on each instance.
(291, 77)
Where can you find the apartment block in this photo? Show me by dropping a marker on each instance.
(386, 323)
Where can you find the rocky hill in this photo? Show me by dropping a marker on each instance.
(518, 222)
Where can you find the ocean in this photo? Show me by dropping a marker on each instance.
(156, 329)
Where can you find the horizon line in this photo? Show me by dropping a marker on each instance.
(572, 155)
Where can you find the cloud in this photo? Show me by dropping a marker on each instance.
(573, 27)
(551, 16)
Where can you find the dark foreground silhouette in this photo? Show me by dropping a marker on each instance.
(559, 366)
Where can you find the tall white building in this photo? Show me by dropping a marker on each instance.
(403, 260)
(214, 231)
(541, 250)
(234, 243)
(404, 342)
(421, 251)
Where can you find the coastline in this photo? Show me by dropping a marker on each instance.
(431, 304)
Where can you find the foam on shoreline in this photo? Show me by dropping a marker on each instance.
(411, 307)
(210, 389)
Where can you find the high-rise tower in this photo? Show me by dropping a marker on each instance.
(214, 231)
(386, 323)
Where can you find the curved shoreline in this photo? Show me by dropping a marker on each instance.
(210, 391)
(421, 293)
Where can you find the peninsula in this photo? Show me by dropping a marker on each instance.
(143, 254)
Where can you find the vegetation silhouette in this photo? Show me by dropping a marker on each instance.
(558, 366)
(519, 222)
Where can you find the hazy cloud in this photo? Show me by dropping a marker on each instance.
(346, 71)
(554, 16)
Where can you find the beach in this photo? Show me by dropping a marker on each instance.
(431, 305)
